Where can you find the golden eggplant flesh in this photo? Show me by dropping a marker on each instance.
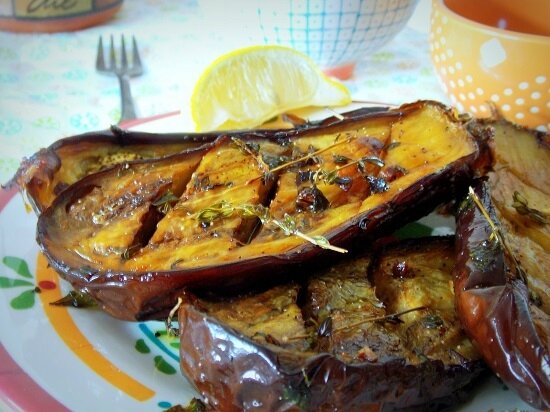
(242, 206)
(375, 334)
(51, 170)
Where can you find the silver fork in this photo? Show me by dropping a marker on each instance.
(123, 71)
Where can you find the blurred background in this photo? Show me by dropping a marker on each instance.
(50, 88)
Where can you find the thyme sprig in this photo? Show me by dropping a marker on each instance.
(496, 234)
(288, 225)
(168, 322)
(165, 202)
(331, 177)
(254, 151)
(522, 207)
(304, 158)
(326, 328)
(392, 317)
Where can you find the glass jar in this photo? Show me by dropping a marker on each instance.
(48, 16)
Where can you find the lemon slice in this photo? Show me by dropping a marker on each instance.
(246, 87)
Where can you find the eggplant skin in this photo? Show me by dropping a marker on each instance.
(493, 304)
(238, 374)
(235, 369)
(441, 157)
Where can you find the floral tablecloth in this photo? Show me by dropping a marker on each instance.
(49, 87)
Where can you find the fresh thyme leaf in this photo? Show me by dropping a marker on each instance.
(201, 184)
(76, 299)
(219, 210)
(253, 149)
(375, 160)
(298, 158)
(130, 251)
(391, 145)
(288, 225)
(273, 161)
(167, 197)
(312, 159)
(343, 182)
(329, 177)
(521, 205)
(340, 159)
(165, 202)
(432, 321)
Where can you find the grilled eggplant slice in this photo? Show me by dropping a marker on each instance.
(501, 279)
(334, 342)
(133, 236)
(511, 331)
(520, 192)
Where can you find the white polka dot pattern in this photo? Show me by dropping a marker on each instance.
(478, 68)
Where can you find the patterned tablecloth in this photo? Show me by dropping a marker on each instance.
(49, 87)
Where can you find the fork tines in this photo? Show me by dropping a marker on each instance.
(113, 67)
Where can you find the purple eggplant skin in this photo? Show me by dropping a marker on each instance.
(235, 372)
(150, 294)
(493, 305)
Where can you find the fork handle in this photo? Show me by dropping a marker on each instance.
(128, 111)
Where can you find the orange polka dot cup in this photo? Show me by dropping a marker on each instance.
(494, 52)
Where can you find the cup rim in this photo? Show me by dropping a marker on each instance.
(511, 34)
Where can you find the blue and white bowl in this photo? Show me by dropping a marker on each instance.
(336, 34)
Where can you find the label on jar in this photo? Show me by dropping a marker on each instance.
(40, 9)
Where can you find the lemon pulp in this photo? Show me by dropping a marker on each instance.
(247, 87)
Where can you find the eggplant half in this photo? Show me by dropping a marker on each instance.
(364, 335)
(502, 285)
(246, 208)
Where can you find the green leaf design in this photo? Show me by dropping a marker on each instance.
(25, 300)
(163, 366)
(141, 346)
(18, 265)
(13, 283)
(413, 230)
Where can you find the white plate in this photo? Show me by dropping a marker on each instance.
(57, 359)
